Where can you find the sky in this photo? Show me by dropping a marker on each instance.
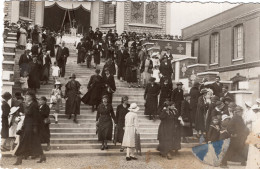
(185, 14)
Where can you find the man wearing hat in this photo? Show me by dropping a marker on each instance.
(166, 69)
(5, 113)
(177, 96)
(34, 75)
(151, 93)
(217, 87)
(225, 92)
(64, 55)
(24, 61)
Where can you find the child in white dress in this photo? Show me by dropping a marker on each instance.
(56, 100)
(29, 44)
(55, 71)
(24, 82)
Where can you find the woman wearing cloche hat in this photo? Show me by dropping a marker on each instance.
(131, 129)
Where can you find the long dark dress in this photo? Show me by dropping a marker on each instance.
(131, 70)
(94, 94)
(151, 96)
(30, 142)
(121, 58)
(81, 52)
(194, 96)
(96, 53)
(46, 68)
(110, 82)
(186, 131)
(34, 76)
(50, 40)
(237, 149)
(121, 111)
(177, 98)
(45, 129)
(24, 63)
(73, 94)
(202, 109)
(105, 114)
(110, 65)
(165, 94)
(5, 113)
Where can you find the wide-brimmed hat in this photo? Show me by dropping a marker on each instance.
(73, 75)
(105, 97)
(204, 91)
(133, 107)
(248, 103)
(255, 107)
(227, 99)
(6, 96)
(224, 117)
(43, 98)
(179, 83)
(220, 104)
(13, 110)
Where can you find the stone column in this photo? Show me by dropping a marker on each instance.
(94, 16)
(120, 17)
(39, 14)
(15, 11)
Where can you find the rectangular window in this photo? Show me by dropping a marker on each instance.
(109, 14)
(214, 48)
(24, 9)
(238, 42)
(195, 48)
(145, 12)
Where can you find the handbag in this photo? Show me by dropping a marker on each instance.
(47, 120)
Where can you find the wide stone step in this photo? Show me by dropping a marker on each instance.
(8, 56)
(93, 135)
(92, 125)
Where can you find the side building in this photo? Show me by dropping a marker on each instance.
(228, 45)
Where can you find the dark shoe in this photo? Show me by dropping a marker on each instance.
(169, 157)
(128, 158)
(121, 149)
(56, 122)
(42, 159)
(18, 161)
(34, 157)
(102, 147)
(69, 117)
(133, 158)
(106, 147)
(48, 148)
(25, 157)
(75, 121)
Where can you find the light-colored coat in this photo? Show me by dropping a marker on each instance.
(131, 126)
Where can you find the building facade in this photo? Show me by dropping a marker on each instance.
(122, 15)
(229, 43)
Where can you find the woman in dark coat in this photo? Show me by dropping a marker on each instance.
(72, 96)
(35, 35)
(94, 95)
(186, 129)
(96, 52)
(50, 41)
(202, 109)
(165, 93)
(167, 130)
(237, 150)
(110, 65)
(151, 93)
(105, 114)
(46, 62)
(34, 75)
(45, 129)
(194, 96)
(81, 51)
(5, 125)
(177, 96)
(131, 70)
(212, 106)
(30, 142)
(110, 86)
(121, 111)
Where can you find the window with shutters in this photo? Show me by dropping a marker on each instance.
(214, 48)
(238, 43)
(109, 13)
(24, 9)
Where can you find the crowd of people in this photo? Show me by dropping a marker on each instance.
(208, 107)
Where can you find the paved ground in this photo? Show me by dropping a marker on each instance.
(185, 160)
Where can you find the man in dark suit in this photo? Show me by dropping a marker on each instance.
(166, 69)
(121, 58)
(64, 56)
(58, 55)
(225, 93)
(24, 61)
(177, 96)
(98, 35)
(217, 87)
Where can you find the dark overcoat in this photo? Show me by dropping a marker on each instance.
(131, 70)
(165, 94)
(121, 58)
(34, 76)
(45, 129)
(151, 96)
(177, 98)
(194, 96)
(121, 111)
(202, 109)
(5, 113)
(166, 69)
(72, 94)
(30, 141)
(110, 82)
(217, 88)
(186, 130)
(96, 53)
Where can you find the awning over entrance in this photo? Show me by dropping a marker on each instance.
(65, 15)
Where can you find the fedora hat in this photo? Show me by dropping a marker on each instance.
(255, 107)
(227, 99)
(224, 117)
(248, 103)
(73, 76)
(13, 110)
(204, 91)
(133, 107)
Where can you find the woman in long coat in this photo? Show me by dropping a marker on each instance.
(81, 51)
(5, 113)
(151, 93)
(30, 143)
(194, 96)
(202, 109)
(165, 92)
(46, 62)
(44, 111)
(22, 39)
(131, 129)
(72, 96)
(34, 74)
(110, 86)
(94, 95)
(96, 52)
(110, 65)
(131, 70)
(121, 112)
(166, 130)
(105, 114)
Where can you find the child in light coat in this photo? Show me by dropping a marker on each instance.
(56, 100)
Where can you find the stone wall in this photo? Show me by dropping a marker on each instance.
(7, 10)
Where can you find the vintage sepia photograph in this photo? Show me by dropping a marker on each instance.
(130, 85)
